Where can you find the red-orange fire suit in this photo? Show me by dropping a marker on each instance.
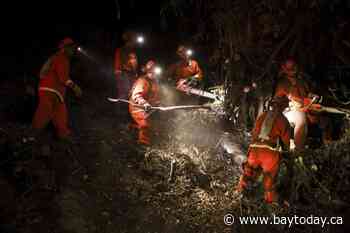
(185, 70)
(54, 78)
(297, 92)
(124, 77)
(264, 152)
(143, 91)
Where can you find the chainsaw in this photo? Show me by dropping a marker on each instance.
(184, 86)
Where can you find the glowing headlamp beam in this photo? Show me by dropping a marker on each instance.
(140, 39)
(86, 54)
(157, 70)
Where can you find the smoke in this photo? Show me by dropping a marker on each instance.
(169, 95)
(201, 135)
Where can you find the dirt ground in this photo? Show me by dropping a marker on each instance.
(104, 182)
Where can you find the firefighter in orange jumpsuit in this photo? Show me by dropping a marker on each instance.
(187, 70)
(271, 128)
(125, 65)
(300, 100)
(54, 79)
(143, 95)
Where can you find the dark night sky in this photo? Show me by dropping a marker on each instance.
(33, 29)
(39, 20)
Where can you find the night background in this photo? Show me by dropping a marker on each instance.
(40, 26)
(185, 182)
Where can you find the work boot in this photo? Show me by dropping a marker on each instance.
(239, 192)
(132, 126)
(41, 142)
(67, 139)
(132, 129)
(272, 208)
(64, 145)
(271, 197)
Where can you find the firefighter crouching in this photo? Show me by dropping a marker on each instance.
(301, 100)
(264, 154)
(54, 79)
(143, 95)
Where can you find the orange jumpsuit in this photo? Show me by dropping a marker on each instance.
(264, 153)
(184, 70)
(54, 78)
(143, 91)
(121, 70)
(297, 92)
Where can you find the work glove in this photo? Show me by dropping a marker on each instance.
(147, 107)
(77, 91)
(246, 89)
(192, 81)
(317, 97)
(184, 86)
(292, 145)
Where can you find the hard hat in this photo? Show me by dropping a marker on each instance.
(181, 49)
(132, 55)
(128, 35)
(289, 65)
(66, 42)
(150, 65)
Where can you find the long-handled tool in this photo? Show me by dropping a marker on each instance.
(320, 108)
(162, 108)
(334, 110)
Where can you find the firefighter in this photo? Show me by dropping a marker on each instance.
(54, 80)
(126, 65)
(300, 98)
(143, 95)
(271, 131)
(130, 71)
(187, 70)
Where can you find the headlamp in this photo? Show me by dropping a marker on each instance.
(140, 39)
(157, 70)
(189, 52)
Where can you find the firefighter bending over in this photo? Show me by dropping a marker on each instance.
(54, 79)
(144, 94)
(300, 98)
(264, 154)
